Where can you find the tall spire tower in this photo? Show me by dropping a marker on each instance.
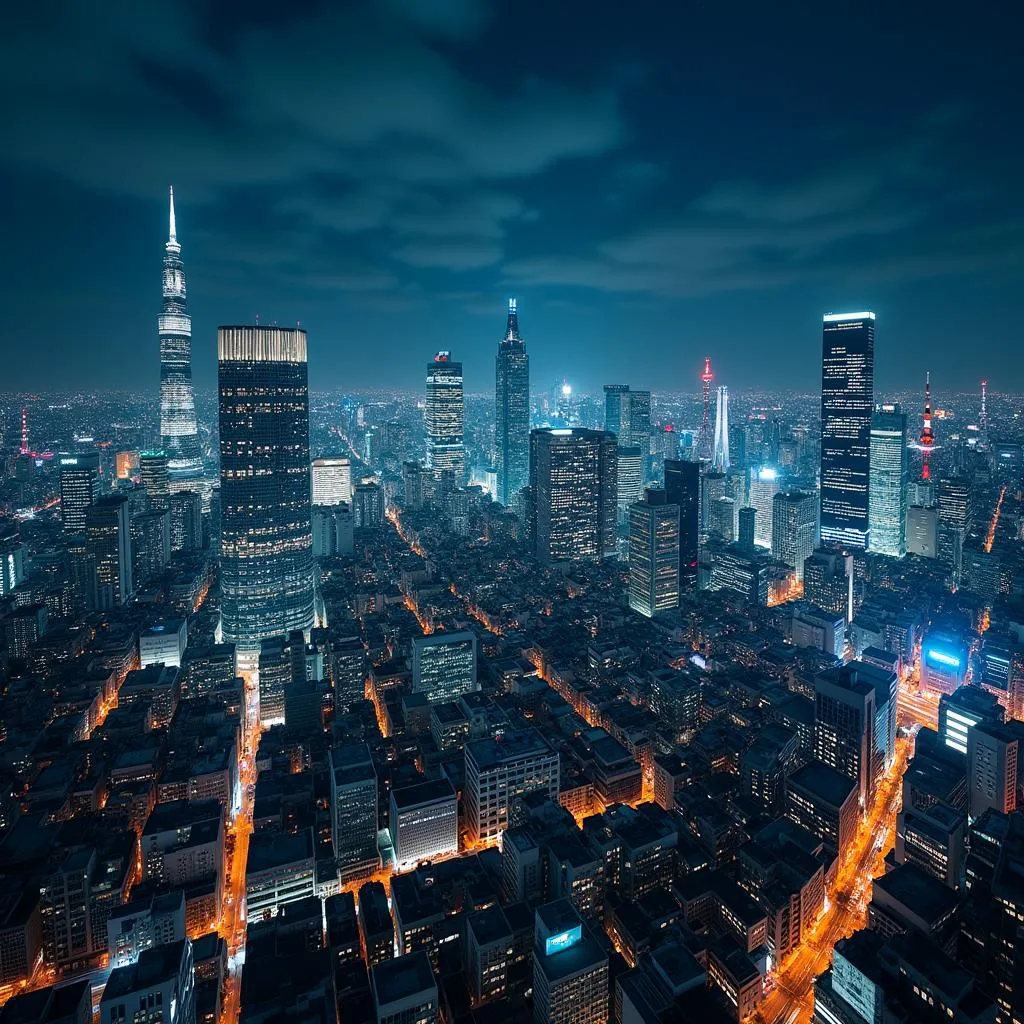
(704, 438)
(179, 435)
(512, 410)
(926, 442)
(983, 423)
(720, 455)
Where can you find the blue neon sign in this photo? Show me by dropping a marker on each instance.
(943, 659)
(563, 940)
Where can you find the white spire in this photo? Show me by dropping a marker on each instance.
(171, 235)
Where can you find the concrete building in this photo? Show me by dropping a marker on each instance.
(160, 986)
(163, 643)
(570, 969)
(424, 822)
(405, 990)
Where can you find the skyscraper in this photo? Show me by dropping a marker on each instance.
(704, 438)
(887, 482)
(682, 488)
(630, 478)
(640, 421)
(154, 475)
(847, 401)
(179, 434)
(616, 409)
(573, 488)
(720, 452)
(794, 526)
(266, 533)
(653, 554)
(764, 485)
(332, 480)
(445, 417)
(79, 488)
(512, 410)
(444, 665)
(108, 542)
(956, 517)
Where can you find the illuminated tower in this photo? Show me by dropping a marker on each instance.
(926, 441)
(720, 456)
(847, 402)
(512, 410)
(887, 488)
(983, 421)
(266, 530)
(24, 431)
(704, 437)
(445, 416)
(178, 431)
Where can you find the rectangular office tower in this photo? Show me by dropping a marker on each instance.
(573, 491)
(794, 528)
(682, 488)
(266, 529)
(79, 488)
(512, 410)
(332, 480)
(445, 419)
(570, 969)
(887, 482)
(847, 402)
(444, 665)
(653, 554)
(109, 546)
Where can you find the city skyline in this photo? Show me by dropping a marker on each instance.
(600, 191)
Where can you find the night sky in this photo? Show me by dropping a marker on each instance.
(654, 181)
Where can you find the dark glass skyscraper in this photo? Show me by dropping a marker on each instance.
(266, 532)
(179, 434)
(847, 402)
(682, 488)
(445, 418)
(573, 487)
(512, 410)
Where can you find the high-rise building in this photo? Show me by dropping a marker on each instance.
(573, 490)
(720, 451)
(412, 484)
(764, 485)
(570, 969)
(960, 710)
(424, 822)
(847, 401)
(498, 771)
(354, 809)
(616, 410)
(630, 477)
(266, 532)
(151, 545)
(332, 480)
(956, 517)
(794, 526)
(159, 986)
(992, 768)
(179, 433)
(682, 488)
(743, 570)
(154, 475)
(368, 506)
(747, 527)
(333, 531)
(855, 723)
(828, 581)
(444, 665)
(640, 421)
(923, 531)
(108, 542)
(512, 410)
(887, 484)
(79, 488)
(653, 554)
(186, 521)
(704, 437)
(13, 558)
(445, 418)
(405, 990)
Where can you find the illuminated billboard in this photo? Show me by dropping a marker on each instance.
(940, 657)
(563, 940)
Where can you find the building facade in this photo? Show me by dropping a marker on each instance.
(847, 402)
(887, 485)
(653, 554)
(179, 432)
(573, 493)
(445, 418)
(266, 531)
(512, 410)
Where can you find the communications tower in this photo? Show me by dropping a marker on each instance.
(705, 437)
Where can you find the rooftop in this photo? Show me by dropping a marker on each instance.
(427, 792)
(403, 978)
(823, 783)
(515, 744)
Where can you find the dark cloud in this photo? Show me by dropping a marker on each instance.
(356, 164)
